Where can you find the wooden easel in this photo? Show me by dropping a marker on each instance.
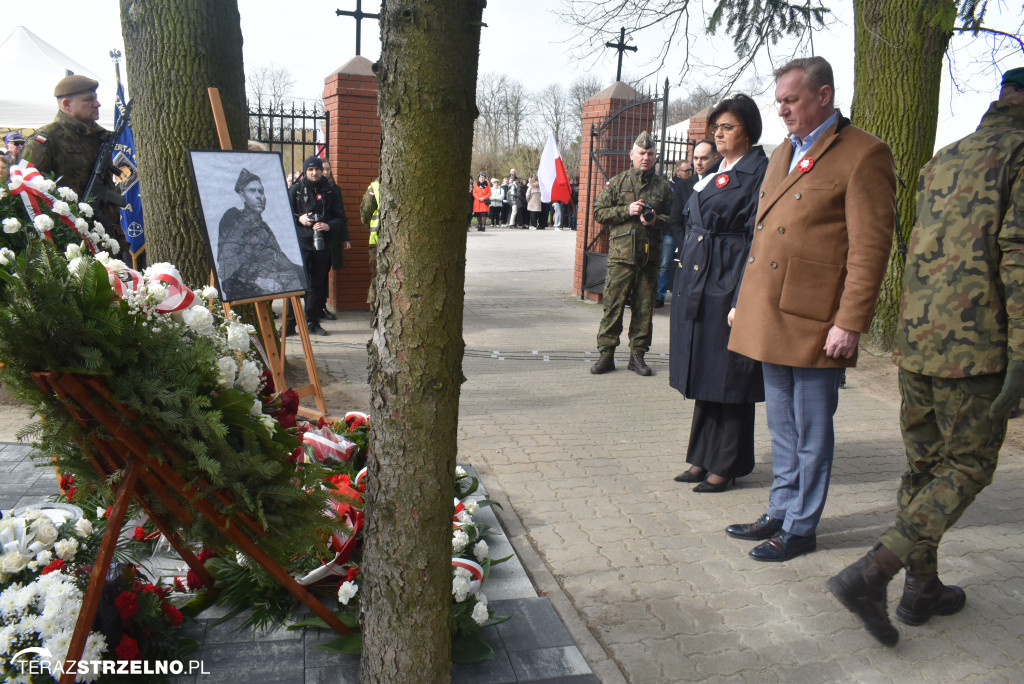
(275, 357)
(146, 479)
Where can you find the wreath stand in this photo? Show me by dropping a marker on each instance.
(274, 356)
(126, 454)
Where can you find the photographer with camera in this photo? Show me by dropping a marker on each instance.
(635, 206)
(317, 210)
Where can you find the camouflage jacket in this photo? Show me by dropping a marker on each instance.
(67, 148)
(962, 312)
(6, 161)
(612, 209)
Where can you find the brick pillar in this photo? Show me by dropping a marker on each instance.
(350, 98)
(698, 126)
(619, 136)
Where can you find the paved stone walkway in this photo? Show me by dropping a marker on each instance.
(637, 566)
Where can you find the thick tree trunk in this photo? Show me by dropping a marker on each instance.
(899, 47)
(174, 50)
(427, 72)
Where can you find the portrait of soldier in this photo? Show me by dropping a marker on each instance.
(250, 261)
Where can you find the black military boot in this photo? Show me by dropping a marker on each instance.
(636, 363)
(861, 588)
(603, 364)
(925, 595)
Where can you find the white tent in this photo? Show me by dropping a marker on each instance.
(33, 67)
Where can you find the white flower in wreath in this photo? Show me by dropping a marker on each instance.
(472, 507)
(13, 562)
(346, 591)
(248, 377)
(157, 291)
(67, 194)
(256, 410)
(62, 208)
(98, 228)
(66, 549)
(43, 558)
(480, 613)
(110, 263)
(112, 244)
(480, 550)
(464, 517)
(460, 588)
(72, 251)
(269, 422)
(47, 185)
(226, 368)
(43, 223)
(460, 471)
(75, 264)
(200, 320)
(6, 256)
(459, 541)
(46, 532)
(81, 225)
(210, 292)
(83, 527)
(238, 337)
(11, 225)
(85, 209)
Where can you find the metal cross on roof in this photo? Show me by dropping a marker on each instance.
(621, 47)
(358, 15)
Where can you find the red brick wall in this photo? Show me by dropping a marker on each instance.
(350, 96)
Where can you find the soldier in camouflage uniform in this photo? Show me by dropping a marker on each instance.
(960, 350)
(69, 145)
(634, 253)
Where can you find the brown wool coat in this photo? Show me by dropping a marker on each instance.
(821, 244)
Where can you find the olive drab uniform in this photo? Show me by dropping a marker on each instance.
(369, 214)
(68, 148)
(961, 322)
(634, 253)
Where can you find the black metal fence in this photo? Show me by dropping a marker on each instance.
(296, 130)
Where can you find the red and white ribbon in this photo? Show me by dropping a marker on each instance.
(27, 181)
(327, 444)
(179, 296)
(124, 281)
(476, 571)
(359, 477)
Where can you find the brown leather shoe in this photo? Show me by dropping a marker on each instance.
(925, 595)
(861, 588)
(603, 365)
(636, 363)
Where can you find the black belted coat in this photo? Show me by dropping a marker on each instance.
(715, 235)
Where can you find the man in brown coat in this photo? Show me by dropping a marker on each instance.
(821, 244)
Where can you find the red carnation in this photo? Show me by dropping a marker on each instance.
(206, 555)
(355, 421)
(179, 585)
(192, 580)
(290, 400)
(140, 533)
(106, 514)
(268, 382)
(71, 493)
(66, 480)
(127, 605)
(297, 454)
(54, 567)
(172, 613)
(352, 573)
(128, 649)
(286, 420)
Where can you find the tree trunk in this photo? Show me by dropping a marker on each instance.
(899, 47)
(174, 50)
(427, 72)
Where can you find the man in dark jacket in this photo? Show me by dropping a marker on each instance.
(317, 210)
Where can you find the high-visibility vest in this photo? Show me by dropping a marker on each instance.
(375, 219)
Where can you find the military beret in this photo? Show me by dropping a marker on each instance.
(244, 179)
(1014, 77)
(313, 161)
(13, 138)
(644, 141)
(72, 85)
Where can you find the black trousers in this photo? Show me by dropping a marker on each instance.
(317, 265)
(722, 438)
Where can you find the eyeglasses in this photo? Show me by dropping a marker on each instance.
(686, 172)
(724, 127)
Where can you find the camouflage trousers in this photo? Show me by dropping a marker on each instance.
(952, 451)
(625, 280)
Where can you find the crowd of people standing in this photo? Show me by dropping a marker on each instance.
(516, 202)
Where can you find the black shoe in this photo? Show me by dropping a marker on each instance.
(289, 329)
(325, 314)
(706, 487)
(762, 528)
(603, 365)
(861, 588)
(636, 364)
(690, 476)
(658, 303)
(926, 595)
(316, 329)
(784, 546)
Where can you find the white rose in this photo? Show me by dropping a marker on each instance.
(66, 549)
(6, 256)
(43, 223)
(480, 613)
(459, 541)
(68, 194)
(45, 531)
(200, 320)
(83, 527)
(238, 337)
(248, 377)
(256, 410)
(226, 367)
(480, 550)
(210, 292)
(11, 225)
(61, 208)
(13, 562)
(85, 209)
(346, 591)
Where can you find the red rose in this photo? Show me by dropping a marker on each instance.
(172, 613)
(128, 649)
(179, 585)
(54, 566)
(140, 533)
(286, 420)
(127, 605)
(290, 400)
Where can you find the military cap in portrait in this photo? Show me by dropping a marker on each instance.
(244, 178)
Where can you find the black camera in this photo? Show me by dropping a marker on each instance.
(648, 213)
(319, 244)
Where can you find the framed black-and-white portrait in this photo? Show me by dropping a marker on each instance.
(247, 223)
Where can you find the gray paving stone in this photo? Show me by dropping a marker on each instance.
(548, 663)
(534, 624)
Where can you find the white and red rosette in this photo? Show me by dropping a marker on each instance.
(805, 164)
(722, 180)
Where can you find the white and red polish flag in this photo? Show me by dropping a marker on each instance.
(554, 181)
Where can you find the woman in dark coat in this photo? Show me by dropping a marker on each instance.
(715, 234)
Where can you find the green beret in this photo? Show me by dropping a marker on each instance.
(244, 179)
(1014, 77)
(72, 85)
(644, 141)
